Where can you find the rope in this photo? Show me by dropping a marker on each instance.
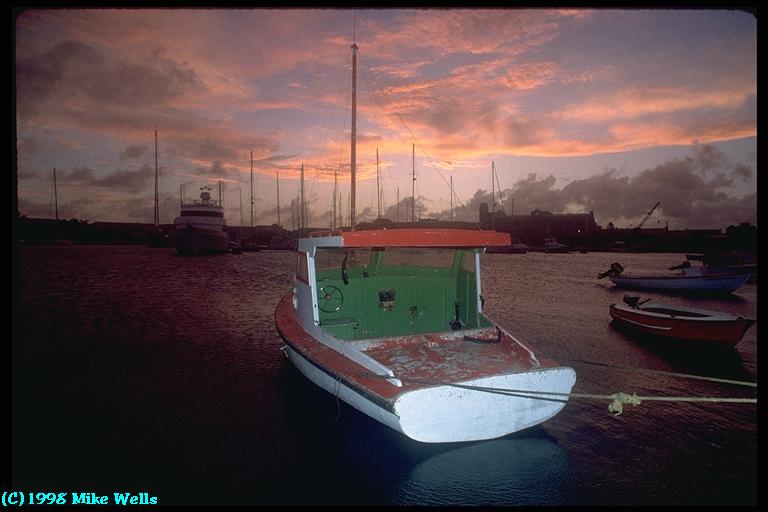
(618, 400)
(662, 372)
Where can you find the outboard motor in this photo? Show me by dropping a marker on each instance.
(615, 270)
(634, 301)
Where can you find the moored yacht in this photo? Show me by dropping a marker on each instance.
(200, 227)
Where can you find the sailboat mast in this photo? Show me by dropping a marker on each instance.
(335, 196)
(501, 199)
(378, 184)
(451, 198)
(251, 188)
(278, 198)
(55, 195)
(398, 203)
(157, 213)
(493, 192)
(413, 186)
(302, 218)
(354, 137)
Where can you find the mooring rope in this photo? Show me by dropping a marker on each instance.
(662, 372)
(618, 400)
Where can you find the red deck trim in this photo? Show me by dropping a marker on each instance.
(419, 237)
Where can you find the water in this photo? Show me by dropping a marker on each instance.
(138, 370)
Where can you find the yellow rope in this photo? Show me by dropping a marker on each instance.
(618, 400)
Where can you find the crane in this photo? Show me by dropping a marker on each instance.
(647, 215)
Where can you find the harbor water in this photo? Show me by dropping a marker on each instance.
(134, 369)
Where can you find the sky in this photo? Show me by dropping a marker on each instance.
(605, 110)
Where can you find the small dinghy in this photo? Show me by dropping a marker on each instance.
(680, 322)
(681, 282)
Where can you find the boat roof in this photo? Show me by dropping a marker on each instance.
(409, 237)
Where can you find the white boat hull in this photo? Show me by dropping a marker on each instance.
(447, 413)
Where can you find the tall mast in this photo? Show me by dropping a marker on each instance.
(181, 195)
(451, 198)
(157, 213)
(354, 136)
(302, 219)
(378, 184)
(335, 196)
(493, 192)
(278, 197)
(413, 186)
(251, 188)
(55, 195)
(498, 186)
(240, 190)
(398, 203)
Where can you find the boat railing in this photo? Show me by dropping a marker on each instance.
(202, 202)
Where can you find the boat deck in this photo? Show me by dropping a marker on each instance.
(449, 357)
(420, 361)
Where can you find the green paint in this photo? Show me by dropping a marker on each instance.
(393, 300)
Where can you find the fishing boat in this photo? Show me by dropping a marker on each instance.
(392, 323)
(200, 227)
(680, 322)
(676, 282)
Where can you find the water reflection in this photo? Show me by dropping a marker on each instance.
(507, 471)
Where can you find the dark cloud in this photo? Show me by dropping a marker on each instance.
(218, 171)
(689, 190)
(217, 150)
(133, 152)
(83, 73)
(742, 171)
(132, 181)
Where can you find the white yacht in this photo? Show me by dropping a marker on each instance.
(200, 228)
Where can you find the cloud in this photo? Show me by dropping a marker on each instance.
(125, 180)
(133, 152)
(689, 189)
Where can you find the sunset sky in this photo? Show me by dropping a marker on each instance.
(608, 111)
